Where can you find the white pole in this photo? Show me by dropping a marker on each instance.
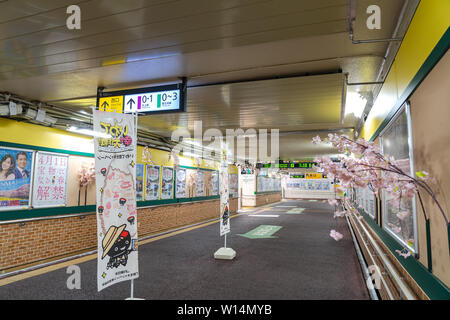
(132, 289)
(135, 131)
(225, 245)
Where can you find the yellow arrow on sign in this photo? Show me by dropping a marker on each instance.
(111, 104)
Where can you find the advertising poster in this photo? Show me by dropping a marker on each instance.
(139, 182)
(50, 180)
(214, 183)
(181, 183)
(115, 173)
(234, 185)
(224, 199)
(152, 182)
(167, 183)
(15, 178)
(200, 192)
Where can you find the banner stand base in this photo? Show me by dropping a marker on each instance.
(225, 254)
(132, 292)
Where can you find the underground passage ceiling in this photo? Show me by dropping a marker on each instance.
(289, 65)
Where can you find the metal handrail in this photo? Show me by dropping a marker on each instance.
(405, 290)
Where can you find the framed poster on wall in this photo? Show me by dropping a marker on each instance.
(200, 192)
(214, 183)
(167, 183)
(152, 173)
(16, 166)
(139, 182)
(234, 184)
(50, 180)
(180, 186)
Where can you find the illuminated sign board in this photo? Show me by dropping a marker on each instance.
(286, 165)
(313, 176)
(151, 100)
(297, 176)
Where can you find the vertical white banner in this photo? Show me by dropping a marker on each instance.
(115, 173)
(224, 196)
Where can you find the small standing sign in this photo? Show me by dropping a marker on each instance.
(224, 221)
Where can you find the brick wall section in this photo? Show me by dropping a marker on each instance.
(263, 199)
(50, 238)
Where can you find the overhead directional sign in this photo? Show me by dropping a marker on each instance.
(160, 99)
(153, 101)
(111, 104)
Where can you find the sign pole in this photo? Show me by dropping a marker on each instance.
(135, 131)
(224, 221)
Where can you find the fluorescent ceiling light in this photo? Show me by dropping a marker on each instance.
(355, 104)
(189, 154)
(88, 132)
(50, 120)
(4, 110)
(31, 114)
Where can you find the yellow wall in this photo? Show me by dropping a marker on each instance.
(429, 24)
(160, 157)
(35, 135)
(24, 133)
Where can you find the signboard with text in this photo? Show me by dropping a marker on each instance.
(150, 100)
(50, 180)
(115, 180)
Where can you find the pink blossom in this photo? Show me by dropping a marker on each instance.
(395, 228)
(364, 166)
(404, 255)
(403, 214)
(333, 202)
(316, 140)
(86, 174)
(339, 214)
(336, 235)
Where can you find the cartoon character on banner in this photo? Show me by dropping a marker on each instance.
(225, 214)
(116, 244)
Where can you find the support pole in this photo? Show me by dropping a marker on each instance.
(132, 289)
(225, 238)
(224, 211)
(132, 280)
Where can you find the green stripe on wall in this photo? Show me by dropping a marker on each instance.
(44, 212)
(267, 192)
(187, 167)
(59, 211)
(37, 148)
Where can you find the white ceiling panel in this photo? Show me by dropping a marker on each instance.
(223, 48)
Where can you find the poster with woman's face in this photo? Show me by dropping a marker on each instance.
(15, 178)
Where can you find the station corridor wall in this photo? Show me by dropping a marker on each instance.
(419, 78)
(36, 235)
